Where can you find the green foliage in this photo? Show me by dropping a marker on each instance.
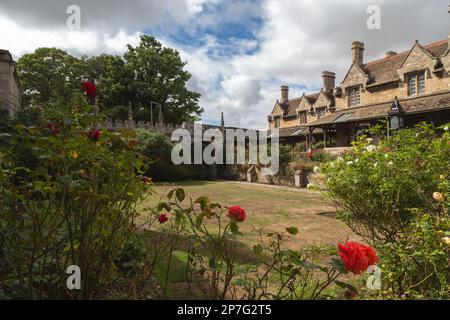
(159, 76)
(395, 195)
(157, 147)
(145, 74)
(118, 113)
(49, 76)
(65, 199)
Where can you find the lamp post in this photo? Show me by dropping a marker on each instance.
(396, 114)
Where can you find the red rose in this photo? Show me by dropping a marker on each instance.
(357, 257)
(54, 129)
(163, 218)
(94, 134)
(309, 154)
(236, 213)
(89, 89)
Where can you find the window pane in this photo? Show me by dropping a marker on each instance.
(412, 85)
(354, 97)
(421, 83)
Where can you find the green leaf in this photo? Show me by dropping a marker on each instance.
(344, 285)
(234, 228)
(180, 194)
(292, 230)
(163, 205)
(199, 220)
(338, 265)
(203, 201)
(170, 194)
(212, 263)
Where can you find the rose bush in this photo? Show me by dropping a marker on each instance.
(395, 195)
(68, 196)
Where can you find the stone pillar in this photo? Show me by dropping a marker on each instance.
(298, 178)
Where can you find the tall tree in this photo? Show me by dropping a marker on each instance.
(49, 76)
(159, 76)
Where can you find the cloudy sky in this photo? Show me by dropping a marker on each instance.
(238, 51)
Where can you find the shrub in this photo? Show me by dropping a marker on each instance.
(65, 199)
(157, 148)
(118, 113)
(386, 196)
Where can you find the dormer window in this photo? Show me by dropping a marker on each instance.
(416, 84)
(321, 112)
(303, 117)
(354, 97)
(276, 122)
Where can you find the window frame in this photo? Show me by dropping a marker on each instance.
(321, 112)
(419, 84)
(354, 99)
(276, 122)
(303, 117)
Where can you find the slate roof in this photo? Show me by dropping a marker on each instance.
(385, 70)
(425, 103)
(295, 131)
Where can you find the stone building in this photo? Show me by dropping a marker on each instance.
(419, 78)
(10, 90)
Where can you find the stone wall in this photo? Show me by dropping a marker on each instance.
(9, 85)
(287, 175)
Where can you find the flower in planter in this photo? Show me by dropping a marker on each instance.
(357, 257)
(438, 196)
(236, 213)
(163, 218)
(94, 134)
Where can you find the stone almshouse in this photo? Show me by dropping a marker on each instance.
(10, 90)
(419, 78)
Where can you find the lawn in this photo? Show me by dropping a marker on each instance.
(269, 208)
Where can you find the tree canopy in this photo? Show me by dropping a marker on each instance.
(147, 75)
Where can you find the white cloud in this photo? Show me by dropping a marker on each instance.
(241, 77)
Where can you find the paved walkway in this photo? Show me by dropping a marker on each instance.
(272, 186)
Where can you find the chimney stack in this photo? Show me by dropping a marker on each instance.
(358, 53)
(284, 94)
(328, 81)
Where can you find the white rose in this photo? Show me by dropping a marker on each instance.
(310, 186)
(390, 163)
(317, 170)
(349, 163)
(369, 140)
(371, 148)
(446, 128)
(375, 164)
